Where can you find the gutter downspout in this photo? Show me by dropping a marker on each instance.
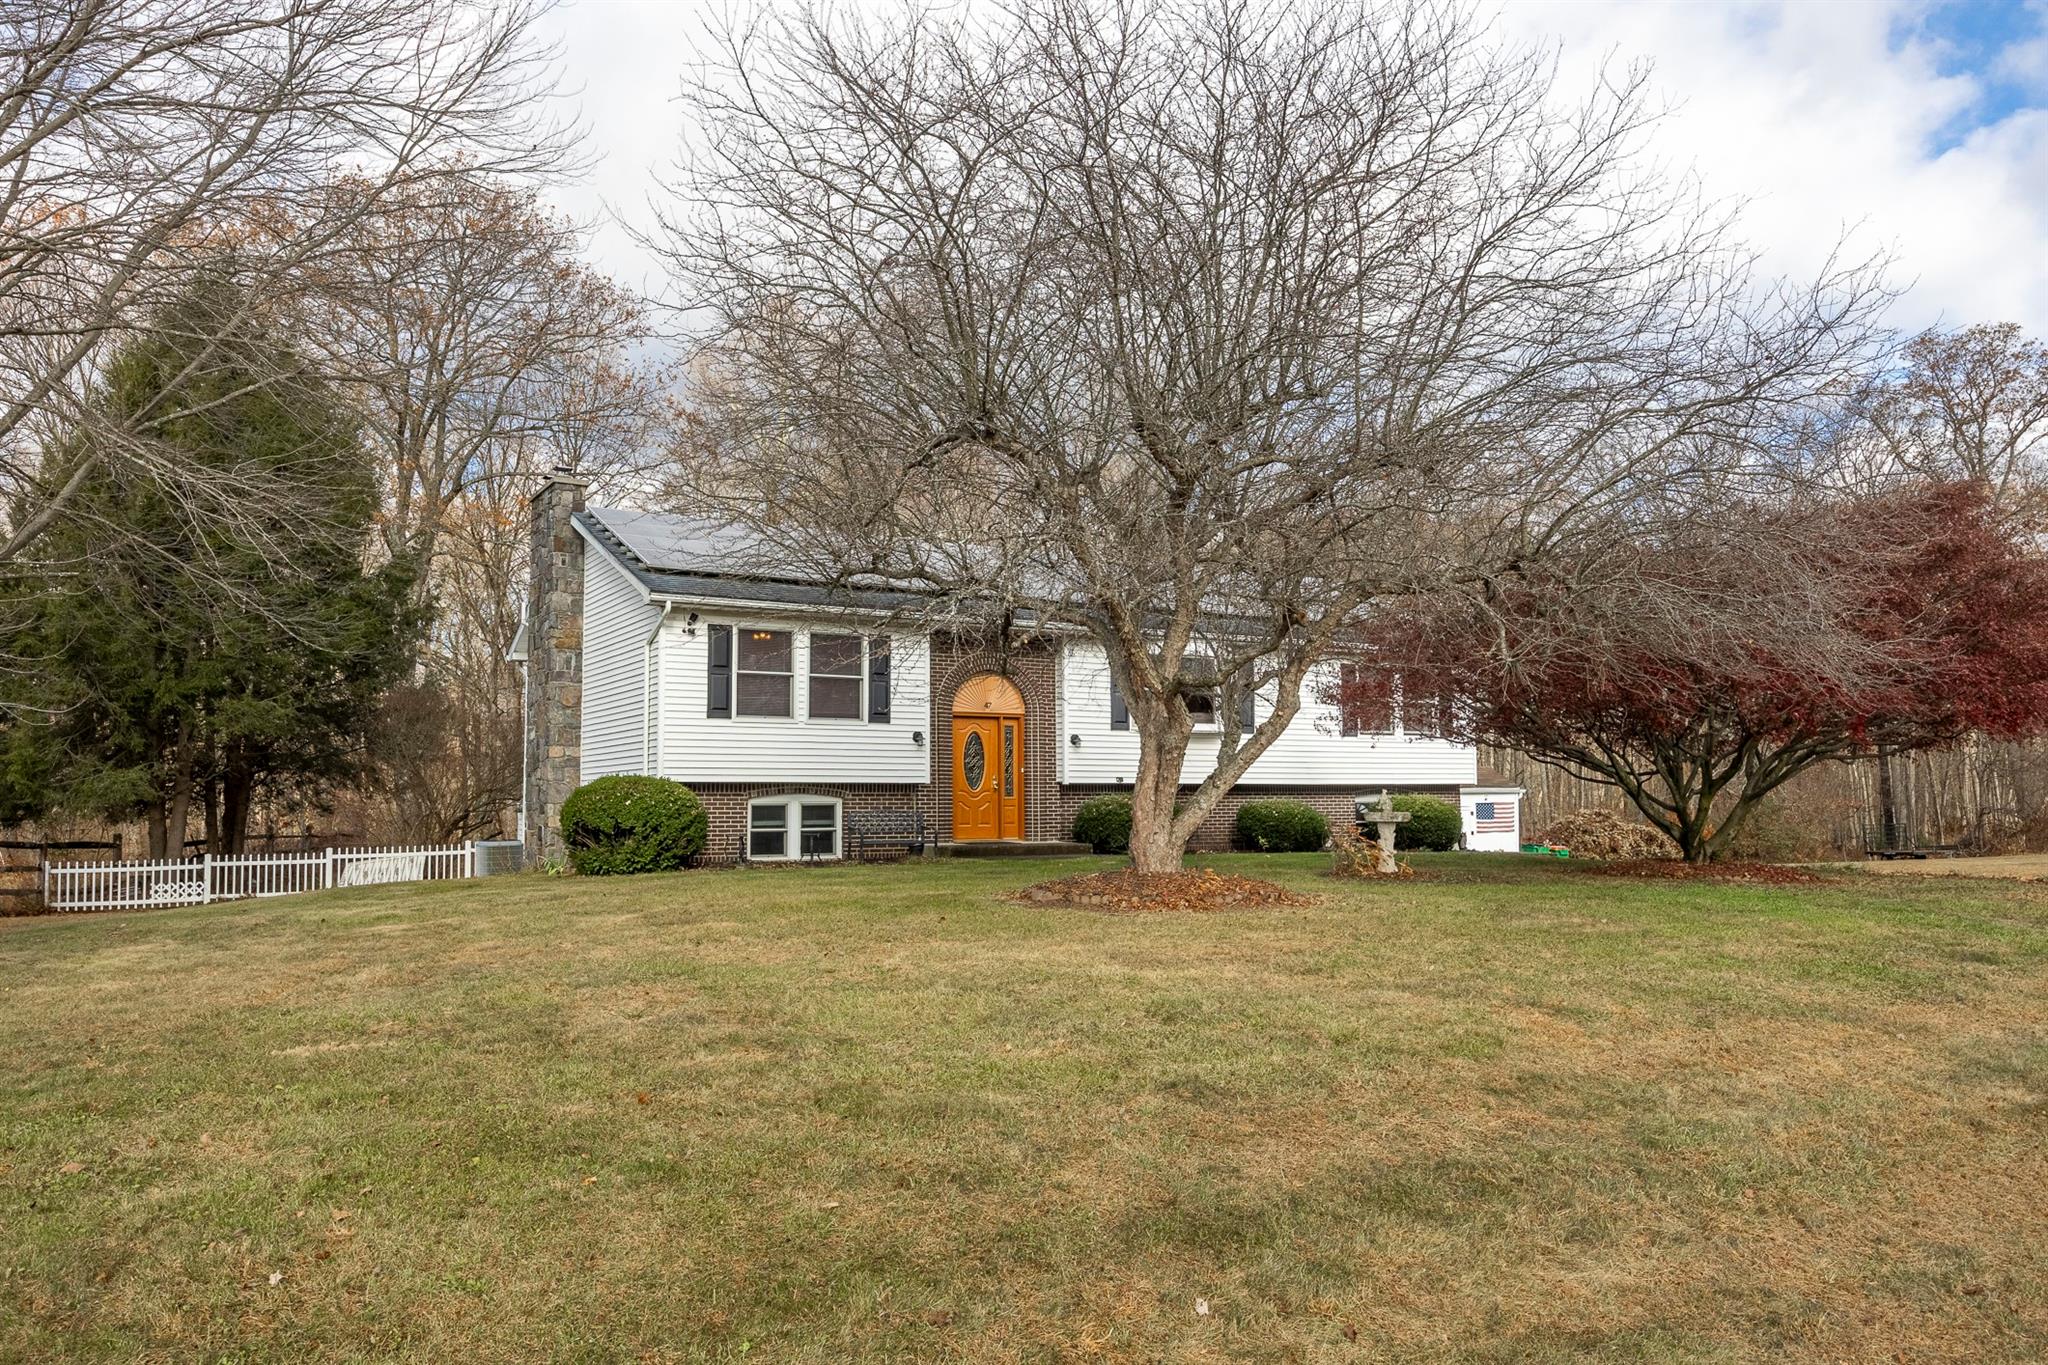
(650, 738)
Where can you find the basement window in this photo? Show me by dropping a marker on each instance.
(780, 828)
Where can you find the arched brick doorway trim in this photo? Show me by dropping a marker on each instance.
(987, 759)
(1029, 669)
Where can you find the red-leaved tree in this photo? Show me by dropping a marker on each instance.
(1701, 670)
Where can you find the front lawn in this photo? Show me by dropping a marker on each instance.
(1508, 1112)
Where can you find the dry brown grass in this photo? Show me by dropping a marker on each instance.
(2024, 867)
(1500, 1112)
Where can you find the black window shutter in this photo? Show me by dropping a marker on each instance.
(1247, 711)
(1119, 714)
(1348, 702)
(878, 679)
(719, 695)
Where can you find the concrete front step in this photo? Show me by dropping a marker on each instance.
(1013, 848)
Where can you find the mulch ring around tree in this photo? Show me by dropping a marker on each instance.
(1153, 893)
(1662, 869)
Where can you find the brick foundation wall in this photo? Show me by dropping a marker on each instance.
(725, 808)
(1218, 833)
(1048, 816)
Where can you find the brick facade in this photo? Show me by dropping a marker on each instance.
(725, 808)
(1031, 665)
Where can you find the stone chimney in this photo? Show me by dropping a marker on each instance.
(554, 661)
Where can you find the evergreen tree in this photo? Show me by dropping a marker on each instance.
(211, 653)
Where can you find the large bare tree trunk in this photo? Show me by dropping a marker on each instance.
(1156, 843)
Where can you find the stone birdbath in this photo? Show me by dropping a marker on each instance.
(1382, 814)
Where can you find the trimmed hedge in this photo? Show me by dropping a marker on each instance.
(1282, 826)
(1433, 825)
(621, 825)
(1104, 824)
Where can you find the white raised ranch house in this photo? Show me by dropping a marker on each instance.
(809, 719)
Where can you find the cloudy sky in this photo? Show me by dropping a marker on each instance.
(1919, 128)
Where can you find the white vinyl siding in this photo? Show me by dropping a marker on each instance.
(794, 748)
(1309, 753)
(616, 624)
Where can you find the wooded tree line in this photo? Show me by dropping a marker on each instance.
(1982, 796)
(288, 335)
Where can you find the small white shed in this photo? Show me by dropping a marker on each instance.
(1493, 818)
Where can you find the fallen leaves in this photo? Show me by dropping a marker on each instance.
(1142, 893)
(1661, 869)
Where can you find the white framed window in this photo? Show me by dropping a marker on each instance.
(838, 668)
(818, 829)
(780, 828)
(764, 672)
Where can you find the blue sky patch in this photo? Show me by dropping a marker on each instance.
(1972, 38)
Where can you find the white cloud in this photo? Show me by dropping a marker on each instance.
(1814, 116)
(1812, 113)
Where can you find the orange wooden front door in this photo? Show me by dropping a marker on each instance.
(988, 777)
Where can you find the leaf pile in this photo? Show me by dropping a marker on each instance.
(1133, 893)
(1602, 834)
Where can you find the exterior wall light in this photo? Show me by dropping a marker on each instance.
(917, 738)
(1074, 740)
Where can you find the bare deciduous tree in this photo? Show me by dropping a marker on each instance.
(1197, 327)
(140, 140)
(480, 350)
(479, 346)
(1970, 404)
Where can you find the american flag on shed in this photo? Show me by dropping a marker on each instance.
(1493, 817)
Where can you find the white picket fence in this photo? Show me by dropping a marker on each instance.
(146, 884)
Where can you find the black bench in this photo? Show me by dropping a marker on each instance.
(894, 829)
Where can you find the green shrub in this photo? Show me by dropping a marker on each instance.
(1282, 826)
(1433, 825)
(1104, 824)
(632, 824)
